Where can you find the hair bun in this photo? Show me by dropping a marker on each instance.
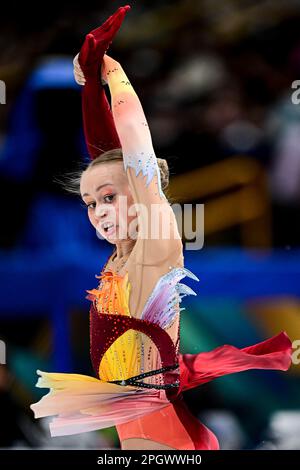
(164, 172)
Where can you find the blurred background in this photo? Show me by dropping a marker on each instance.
(215, 80)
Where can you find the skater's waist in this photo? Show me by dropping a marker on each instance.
(137, 379)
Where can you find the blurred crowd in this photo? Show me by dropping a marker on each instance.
(215, 80)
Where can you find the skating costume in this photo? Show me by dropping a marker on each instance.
(135, 317)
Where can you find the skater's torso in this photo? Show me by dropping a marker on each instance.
(125, 294)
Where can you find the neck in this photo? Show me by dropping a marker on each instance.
(124, 247)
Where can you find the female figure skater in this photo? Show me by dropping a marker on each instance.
(134, 316)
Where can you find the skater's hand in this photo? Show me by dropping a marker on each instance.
(98, 41)
(77, 71)
(108, 62)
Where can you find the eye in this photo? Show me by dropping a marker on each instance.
(89, 206)
(111, 196)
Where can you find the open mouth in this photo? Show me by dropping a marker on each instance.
(108, 228)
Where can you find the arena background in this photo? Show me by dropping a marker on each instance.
(216, 83)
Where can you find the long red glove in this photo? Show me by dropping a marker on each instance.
(99, 128)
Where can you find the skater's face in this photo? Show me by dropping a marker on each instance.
(105, 191)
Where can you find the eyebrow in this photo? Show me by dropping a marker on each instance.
(97, 189)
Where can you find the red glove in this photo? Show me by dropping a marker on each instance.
(99, 128)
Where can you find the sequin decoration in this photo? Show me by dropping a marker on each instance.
(147, 165)
(123, 358)
(117, 350)
(161, 306)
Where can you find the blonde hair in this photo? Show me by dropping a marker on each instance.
(72, 181)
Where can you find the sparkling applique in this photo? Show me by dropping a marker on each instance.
(148, 166)
(160, 307)
(107, 330)
(125, 356)
(112, 298)
(112, 294)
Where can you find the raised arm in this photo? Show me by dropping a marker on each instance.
(140, 161)
(98, 124)
(99, 128)
(142, 170)
(154, 256)
(134, 135)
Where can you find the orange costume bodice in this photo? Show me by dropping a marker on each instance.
(121, 344)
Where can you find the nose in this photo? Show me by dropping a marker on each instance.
(100, 211)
